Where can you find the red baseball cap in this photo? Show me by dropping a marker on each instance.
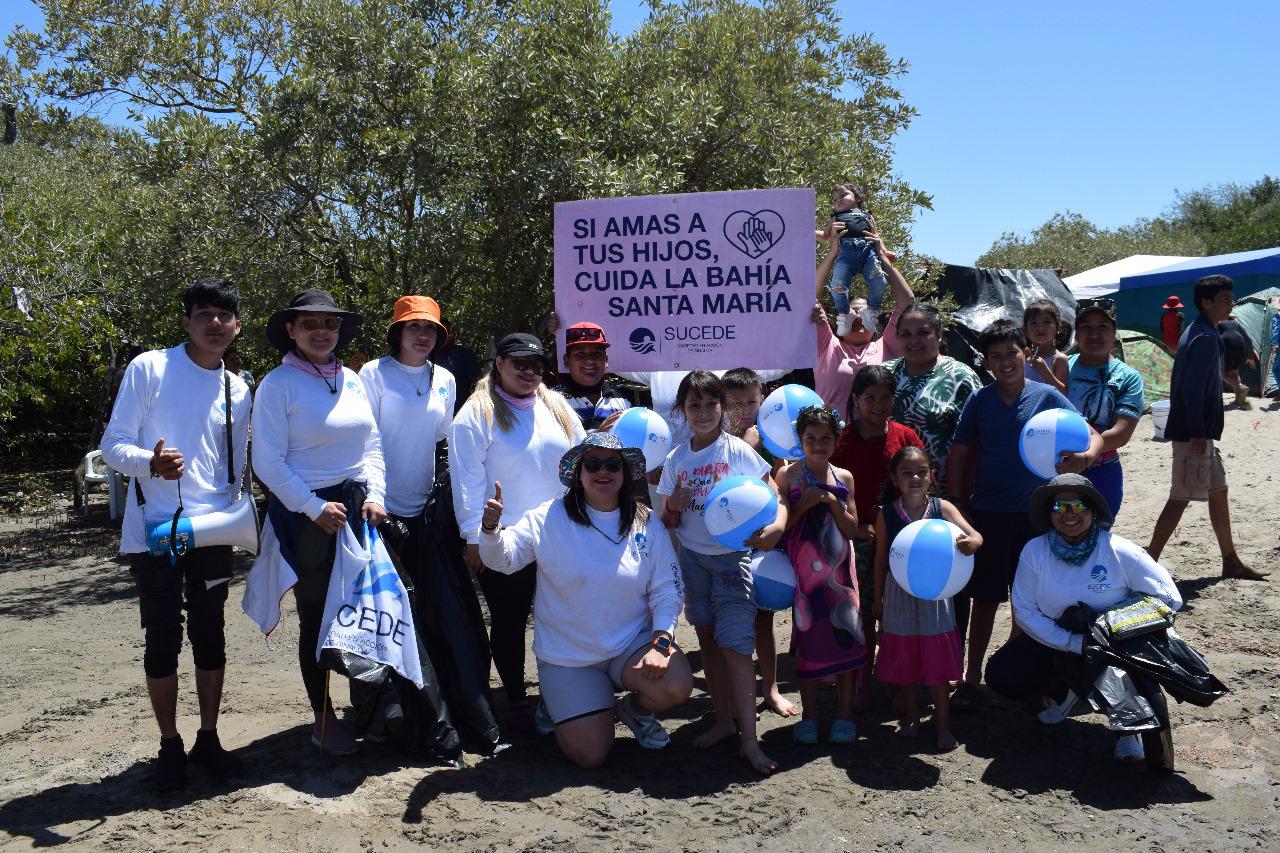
(584, 334)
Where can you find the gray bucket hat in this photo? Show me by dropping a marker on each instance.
(1043, 496)
(630, 455)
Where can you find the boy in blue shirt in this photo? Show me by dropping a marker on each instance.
(992, 486)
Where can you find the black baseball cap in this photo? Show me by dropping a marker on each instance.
(521, 345)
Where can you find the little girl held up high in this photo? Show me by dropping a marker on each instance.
(919, 644)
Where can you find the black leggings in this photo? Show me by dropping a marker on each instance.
(311, 556)
(510, 600)
(161, 600)
(1024, 668)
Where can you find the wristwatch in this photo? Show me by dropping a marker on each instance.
(664, 645)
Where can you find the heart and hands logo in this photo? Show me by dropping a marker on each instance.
(753, 234)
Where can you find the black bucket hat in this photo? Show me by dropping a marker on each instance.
(315, 301)
(1043, 496)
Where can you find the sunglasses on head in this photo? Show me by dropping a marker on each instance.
(1070, 507)
(1085, 304)
(315, 324)
(592, 466)
(580, 336)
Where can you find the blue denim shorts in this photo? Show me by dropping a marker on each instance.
(718, 592)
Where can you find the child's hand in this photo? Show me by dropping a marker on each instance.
(766, 538)
(811, 497)
(966, 545)
(679, 499)
(817, 315)
(865, 531)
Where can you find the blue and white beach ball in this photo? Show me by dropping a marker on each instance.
(738, 507)
(925, 561)
(774, 580)
(646, 430)
(777, 419)
(1048, 434)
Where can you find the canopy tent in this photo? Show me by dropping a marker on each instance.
(1105, 280)
(1140, 296)
(1254, 312)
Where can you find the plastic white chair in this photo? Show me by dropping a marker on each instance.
(96, 471)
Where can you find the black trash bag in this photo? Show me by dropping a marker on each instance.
(450, 621)
(1130, 704)
(1163, 657)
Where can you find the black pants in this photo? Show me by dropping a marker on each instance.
(161, 600)
(310, 551)
(1024, 668)
(510, 600)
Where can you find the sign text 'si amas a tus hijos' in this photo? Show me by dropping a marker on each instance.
(683, 282)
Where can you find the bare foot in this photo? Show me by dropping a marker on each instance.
(908, 728)
(715, 734)
(755, 756)
(779, 704)
(946, 740)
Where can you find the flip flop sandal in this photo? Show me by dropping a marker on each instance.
(843, 731)
(805, 731)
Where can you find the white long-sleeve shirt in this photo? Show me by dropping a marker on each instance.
(164, 394)
(594, 595)
(1044, 586)
(525, 459)
(409, 425)
(306, 438)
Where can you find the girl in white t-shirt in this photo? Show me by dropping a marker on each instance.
(718, 591)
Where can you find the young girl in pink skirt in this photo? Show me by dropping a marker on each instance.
(919, 644)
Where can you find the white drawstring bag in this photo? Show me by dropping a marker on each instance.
(367, 612)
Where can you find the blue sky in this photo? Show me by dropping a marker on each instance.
(1028, 108)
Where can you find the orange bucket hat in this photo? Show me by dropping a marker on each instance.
(417, 308)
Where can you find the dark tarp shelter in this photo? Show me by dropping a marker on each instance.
(987, 295)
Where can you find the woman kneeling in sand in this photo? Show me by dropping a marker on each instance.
(607, 600)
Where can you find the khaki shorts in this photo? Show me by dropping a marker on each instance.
(1194, 476)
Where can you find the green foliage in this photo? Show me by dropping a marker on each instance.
(382, 147)
(1234, 218)
(1071, 242)
(1211, 221)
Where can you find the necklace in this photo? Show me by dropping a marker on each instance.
(906, 516)
(615, 541)
(417, 386)
(333, 389)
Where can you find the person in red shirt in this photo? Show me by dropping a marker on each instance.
(864, 450)
(1171, 322)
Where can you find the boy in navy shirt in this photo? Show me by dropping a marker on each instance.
(992, 486)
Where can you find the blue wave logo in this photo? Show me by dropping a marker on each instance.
(1099, 574)
(643, 341)
(371, 584)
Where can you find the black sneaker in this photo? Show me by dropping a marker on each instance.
(169, 771)
(210, 755)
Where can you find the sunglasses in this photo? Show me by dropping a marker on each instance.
(1107, 305)
(592, 466)
(526, 365)
(1072, 507)
(315, 324)
(582, 336)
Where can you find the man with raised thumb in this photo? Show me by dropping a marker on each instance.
(171, 434)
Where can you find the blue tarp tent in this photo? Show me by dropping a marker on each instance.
(1139, 298)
